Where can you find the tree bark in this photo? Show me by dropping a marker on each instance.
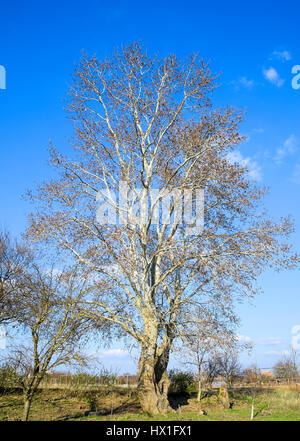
(199, 389)
(27, 405)
(153, 383)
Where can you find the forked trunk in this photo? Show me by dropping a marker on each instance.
(153, 383)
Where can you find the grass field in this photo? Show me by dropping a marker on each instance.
(280, 403)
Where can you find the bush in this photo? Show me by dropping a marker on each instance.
(92, 400)
(8, 377)
(181, 382)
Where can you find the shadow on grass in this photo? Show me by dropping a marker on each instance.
(249, 391)
(132, 408)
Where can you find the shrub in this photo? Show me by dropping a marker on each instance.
(8, 376)
(92, 400)
(181, 382)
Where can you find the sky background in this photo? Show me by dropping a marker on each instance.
(255, 45)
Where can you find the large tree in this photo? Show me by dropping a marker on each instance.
(149, 124)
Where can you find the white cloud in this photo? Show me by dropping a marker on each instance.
(254, 169)
(268, 341)
(110, 353)
(261, 341)
(244, 338)
(281, 55)
(273, 77)
(243, 82)
(289, 147)
(296, 174)
(277, 353)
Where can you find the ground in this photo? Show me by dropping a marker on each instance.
(281, 403)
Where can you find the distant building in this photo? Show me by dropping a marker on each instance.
(267, 374)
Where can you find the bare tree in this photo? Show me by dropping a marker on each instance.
(293, 355)
(286, 368)
(13, 259)
(50, 320)
(252, 374)
(149, 123)
(228, 366)
(205, 337)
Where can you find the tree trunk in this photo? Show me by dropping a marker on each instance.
(27, 404)
(199, 382)
(153, 383)
(199, 389)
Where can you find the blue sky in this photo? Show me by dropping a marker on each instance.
(255, 44)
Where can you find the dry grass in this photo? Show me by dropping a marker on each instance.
(274, 403)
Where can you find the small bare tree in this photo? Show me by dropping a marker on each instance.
(14, 257)
(228, 366)
(50, 320)
(211, 372)
(206, 335)
(148, 124)
(252, 374)
(286, 368)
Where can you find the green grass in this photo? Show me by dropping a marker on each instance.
(281, 403)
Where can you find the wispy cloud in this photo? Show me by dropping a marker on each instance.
(296, 174)
(258, 130)
(244, 338)
(273, 77)
(265, 341)
(289, 147)
(282, 56)
(110, 353)
(243, 83)
(268, 341)
(277, 353)
(254, 169)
